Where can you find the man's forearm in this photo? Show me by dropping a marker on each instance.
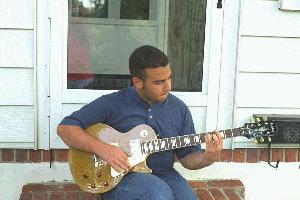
(77, 138)
(196, 160)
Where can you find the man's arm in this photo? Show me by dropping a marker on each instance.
(77, 138)
(197, 160)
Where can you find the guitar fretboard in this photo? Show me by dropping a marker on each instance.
(182, 141)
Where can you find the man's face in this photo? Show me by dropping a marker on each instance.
(157, 84)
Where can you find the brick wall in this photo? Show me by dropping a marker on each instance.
(237, 155)
(206, 190)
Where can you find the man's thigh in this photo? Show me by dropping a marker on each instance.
(180, 187)
(135, 186)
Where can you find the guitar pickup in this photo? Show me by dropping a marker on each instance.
(136, 152)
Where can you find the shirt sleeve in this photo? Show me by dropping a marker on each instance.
(92, 113)
(188, 127)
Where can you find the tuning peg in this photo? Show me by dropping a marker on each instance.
(269, 139)
(255, 141)
(257, 119)
(261, 139)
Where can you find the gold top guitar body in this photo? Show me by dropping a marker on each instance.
(93, 174)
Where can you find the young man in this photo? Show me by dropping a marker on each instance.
(147, 102)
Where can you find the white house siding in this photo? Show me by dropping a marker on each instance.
(17, 74)
(268, 71)
(268, 49)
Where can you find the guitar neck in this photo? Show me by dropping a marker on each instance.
(182, 141)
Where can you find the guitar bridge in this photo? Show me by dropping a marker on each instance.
(96, 163)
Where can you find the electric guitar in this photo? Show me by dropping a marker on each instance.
(95, 176)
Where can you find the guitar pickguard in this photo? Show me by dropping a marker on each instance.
(135, 158)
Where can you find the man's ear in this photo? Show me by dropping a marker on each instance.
(137, 82)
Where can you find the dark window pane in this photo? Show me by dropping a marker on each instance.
(186, 43)
(135, 9)
(100, 82)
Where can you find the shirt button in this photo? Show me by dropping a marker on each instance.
(150, 116)
(149, 110)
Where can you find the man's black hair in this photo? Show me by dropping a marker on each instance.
(146, 57)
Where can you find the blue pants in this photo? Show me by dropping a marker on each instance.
(142, 186)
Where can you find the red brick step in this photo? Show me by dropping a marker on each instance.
(205, 189)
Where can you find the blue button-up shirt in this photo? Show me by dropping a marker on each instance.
(123, 110)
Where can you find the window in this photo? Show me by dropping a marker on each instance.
(89, 54)
(103, 33)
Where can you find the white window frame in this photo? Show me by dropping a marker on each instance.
(43, 38)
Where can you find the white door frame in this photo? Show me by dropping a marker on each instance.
(209, 98)
(214, 64)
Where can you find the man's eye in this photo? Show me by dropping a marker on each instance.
(159, 82)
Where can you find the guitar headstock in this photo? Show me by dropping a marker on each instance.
(258, 129)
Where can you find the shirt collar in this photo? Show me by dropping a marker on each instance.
(138, 99)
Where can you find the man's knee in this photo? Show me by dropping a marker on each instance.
(160, 191)
(141, 186)
(155, 188)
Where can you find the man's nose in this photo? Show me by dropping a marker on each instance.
(168, 85)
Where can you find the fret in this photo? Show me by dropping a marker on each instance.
(197, 139)
(181, 142)
(145, 148)
(156, 145)
(169, 146)
(173, 142)
(162, 144)
(236, 132)
(202, 137)
(227, 133)
(178, 144)
(186, 140)
(167, 143)
(193, 140)
(151, 147)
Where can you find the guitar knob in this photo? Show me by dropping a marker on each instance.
(255, 141)
(99, 174)
(265, 118)
(106, 183)
(257, 119)
(269, 139)
(85, 175)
